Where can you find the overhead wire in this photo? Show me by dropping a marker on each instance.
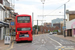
(58, 7)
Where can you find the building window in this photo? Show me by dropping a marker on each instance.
(47, 25)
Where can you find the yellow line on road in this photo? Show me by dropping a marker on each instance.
(11, 46)
(59, 49)
(62, 47)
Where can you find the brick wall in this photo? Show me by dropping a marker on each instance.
(47, 24)
(45, 29)
(71, 16)
(57, 24)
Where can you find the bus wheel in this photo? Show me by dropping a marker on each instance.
(17, 42)
(30, 41)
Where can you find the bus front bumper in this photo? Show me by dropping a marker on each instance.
(24, 39)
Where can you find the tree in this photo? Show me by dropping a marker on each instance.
(35, 26)
(55, 31)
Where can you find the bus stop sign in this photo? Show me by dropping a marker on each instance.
(12, 23)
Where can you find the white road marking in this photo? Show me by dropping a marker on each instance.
(42, 40)
(55, 41)
(57, 47)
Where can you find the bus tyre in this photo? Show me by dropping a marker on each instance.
(17, 42)
(30, 41)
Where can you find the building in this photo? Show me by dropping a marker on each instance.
(12, 23)
(57, 24)
(70, 24)
(47, 24)
(5, 13)
(58, 20)
(70, 15)
(47, 29)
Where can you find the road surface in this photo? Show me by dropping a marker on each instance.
(44, 42)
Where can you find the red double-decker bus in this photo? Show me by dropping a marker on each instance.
(23, 28)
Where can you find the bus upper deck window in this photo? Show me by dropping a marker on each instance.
(25, 19)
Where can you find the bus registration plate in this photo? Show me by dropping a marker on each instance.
(26, 35)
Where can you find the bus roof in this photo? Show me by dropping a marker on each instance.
(24, 15)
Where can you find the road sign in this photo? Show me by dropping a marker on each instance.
(12, 23)
(7, 40)
(33, 28)
(64, 27)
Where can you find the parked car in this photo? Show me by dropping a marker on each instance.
(51, 33)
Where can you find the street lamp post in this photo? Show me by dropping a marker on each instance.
(43, 1)
(65, 17)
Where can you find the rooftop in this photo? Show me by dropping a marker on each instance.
(70, 12)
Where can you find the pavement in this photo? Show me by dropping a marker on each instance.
(67, 38)
(2, 45)
(6, 46)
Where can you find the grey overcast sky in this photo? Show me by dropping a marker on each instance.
(29, 6)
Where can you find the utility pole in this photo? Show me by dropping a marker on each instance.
(43, 1)
(37, 24)
(32, 18)
(64, 19)
(32, 21)
(50, 15)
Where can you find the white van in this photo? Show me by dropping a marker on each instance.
(51, 33)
